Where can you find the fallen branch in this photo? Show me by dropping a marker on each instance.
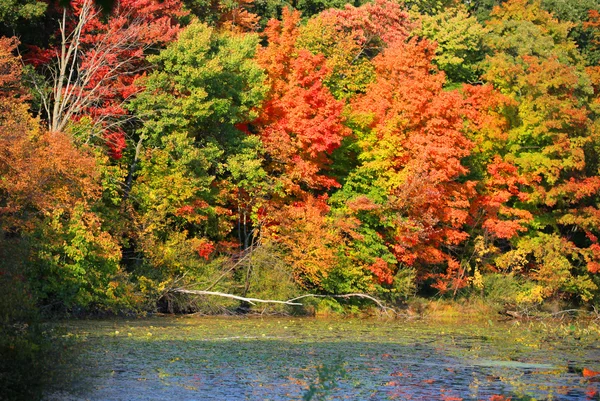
(357, 295)
(253, 301)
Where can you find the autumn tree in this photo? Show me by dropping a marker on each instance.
(408, 189)
(93, 67)
(200, 176)
(544, 176)
(48, 190)
(350, 37)
(41, 171)
(309, 242)
(300, 122)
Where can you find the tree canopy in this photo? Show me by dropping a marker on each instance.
(385, 147)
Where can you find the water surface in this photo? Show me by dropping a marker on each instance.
(208, 358)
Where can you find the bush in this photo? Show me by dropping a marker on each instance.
(505, 288)
(27, 353)
(268, 275)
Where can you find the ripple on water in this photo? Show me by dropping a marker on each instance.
(279, 359)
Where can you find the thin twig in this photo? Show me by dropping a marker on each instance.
(241, 260)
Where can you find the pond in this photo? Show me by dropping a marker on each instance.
(277, 358)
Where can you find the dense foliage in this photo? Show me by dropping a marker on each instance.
(388, 147)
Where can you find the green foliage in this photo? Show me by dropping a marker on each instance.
(205, 83)
(404, 285)
(459, 39)
(505, 289)
(171, 214)
(430, 7)
(269, 9)
(266, 276)
(171, 176)
(576, 12)
(522, 28)
(554, 258)
(347, 277)
(197, 159)
(482, 9)
(351, 71)
(11, 11)
(77, 263)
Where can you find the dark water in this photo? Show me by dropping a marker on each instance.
(290, 358)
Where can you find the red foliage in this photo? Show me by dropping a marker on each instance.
(496, 397)
(382, 271)
(111, 56)
(184, 210)
(301, 122)
(380, 20)
(503, 185)
(115, 141)
(418, 148)
(205, 249)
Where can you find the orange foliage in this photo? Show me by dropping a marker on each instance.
(238, 18)
(301, 122)
(310, 239)
(47, 171)
(417, 145)
(41, 171)
(10, 69)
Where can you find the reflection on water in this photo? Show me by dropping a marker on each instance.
(282, 358)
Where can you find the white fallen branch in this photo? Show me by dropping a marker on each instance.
(251, 301)
(356, 295)
(292, 301)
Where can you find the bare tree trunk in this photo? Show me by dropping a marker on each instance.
(82, 72)
(65, 87)
(132, 168)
